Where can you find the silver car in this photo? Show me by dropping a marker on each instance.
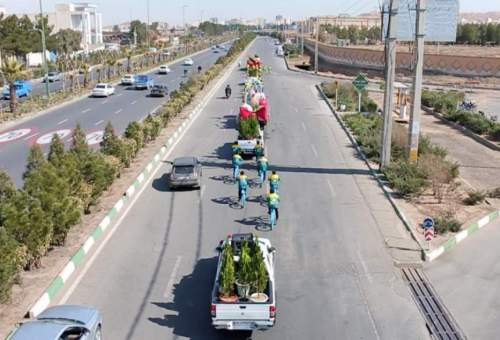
(69, 322)
(186, 172)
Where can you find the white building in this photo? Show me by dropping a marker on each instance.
(81, 17)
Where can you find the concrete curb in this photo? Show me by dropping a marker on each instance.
(78, 258)
(10, 123)
(460, 236)
(462, 129)
(375, 173)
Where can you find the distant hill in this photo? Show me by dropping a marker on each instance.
(476, 17)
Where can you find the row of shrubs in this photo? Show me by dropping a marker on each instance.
(348, 96)
(447, 104)
(62, 187)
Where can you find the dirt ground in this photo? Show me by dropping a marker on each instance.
(33, 283)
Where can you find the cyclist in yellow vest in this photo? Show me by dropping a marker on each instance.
(242, 183)
(237, 160)
(273, 200)
(274, 181)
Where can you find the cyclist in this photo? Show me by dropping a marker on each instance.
(228, 90)
(199, 69)
(262, 164)
(259, 150)
(273, 200)
(242, 184)
(236, 164)
(239, 64)
(274, 181)
(236, 147)
(185, 72)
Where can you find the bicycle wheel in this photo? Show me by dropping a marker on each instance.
(272, 219)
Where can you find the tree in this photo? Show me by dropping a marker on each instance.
(13, 71)
(7, 191)
(129, 54)
(68, 41)
(134, 131)
(140, 29)
(79, 145)
(56, 150)
(111, 63)
(35, 160)
(10, 263)
(17, 36)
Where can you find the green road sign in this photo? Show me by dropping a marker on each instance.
(360, 82)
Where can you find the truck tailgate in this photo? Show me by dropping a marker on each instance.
(242, 312)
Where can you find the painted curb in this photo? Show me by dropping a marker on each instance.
(462, 129)
(77, 259)
(375, 173)
(462, 235)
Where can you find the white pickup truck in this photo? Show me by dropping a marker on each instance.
(247, 146)
(243, 313)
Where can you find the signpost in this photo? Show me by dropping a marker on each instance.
(428, 225)
(359, 84)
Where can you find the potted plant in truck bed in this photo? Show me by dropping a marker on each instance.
(227, 275)
(260, 276)
(244, 276)
(249, 128)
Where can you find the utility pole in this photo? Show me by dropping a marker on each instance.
(147, 25)
(390, 65)
(302, 38)
(414, 127)
(44, 57)
(316, 47)
(184, 26)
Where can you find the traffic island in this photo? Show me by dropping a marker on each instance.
(415, 191)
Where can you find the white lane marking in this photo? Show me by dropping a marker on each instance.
(304, 126)
(365, 267)
(95, 255)
(202, 191)
(63, 121)
(330, 186)
(133, 103)
(31, 136)
(118, 111)
(314, 150)
(119, 94)
(99, 122)
(170, 283)
(155, 109)
(86, 110)
(104, 102)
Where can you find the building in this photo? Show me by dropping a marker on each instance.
(81, 17)
(344, 21)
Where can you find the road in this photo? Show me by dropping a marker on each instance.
(467, 279)
(153, 275)
(92, 113)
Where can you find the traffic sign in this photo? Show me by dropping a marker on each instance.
(428, 223)
(429, 234)
(360, 82)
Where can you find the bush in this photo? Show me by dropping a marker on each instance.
(134, 131)
(446, 222)
(406, 178)
(368, 105)
(475, 197)
(494, 132)
(249, 128)
(494, 193)
(10, 263)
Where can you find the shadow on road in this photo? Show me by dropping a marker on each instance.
(227, 122)
(189, 313)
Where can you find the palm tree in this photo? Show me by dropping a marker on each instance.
(111, 62)
(62, 66)
(12, 70)
(128, 54)
(85, 68)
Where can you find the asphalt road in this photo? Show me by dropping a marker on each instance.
(335, 278)
(92, 113)
(467, 279)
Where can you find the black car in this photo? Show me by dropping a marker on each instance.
(186, 172)
(159, 91)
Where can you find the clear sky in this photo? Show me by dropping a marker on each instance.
(116, 11)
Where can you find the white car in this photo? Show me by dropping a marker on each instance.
(103, 90)
(128, 79)
(188, 62)
(164, 69)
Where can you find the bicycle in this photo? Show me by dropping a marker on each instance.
(261, 174)
(236, 172)
(274, 186)
(272, 217)
(243, 197)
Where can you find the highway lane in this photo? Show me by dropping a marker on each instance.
(335, 278)
(92, 113)
(467, 279)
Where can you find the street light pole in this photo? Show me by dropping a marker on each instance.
(147, 25)
(316, 47)
(44, 57)
(184, 26)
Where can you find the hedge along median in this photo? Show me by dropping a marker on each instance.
(59, 189)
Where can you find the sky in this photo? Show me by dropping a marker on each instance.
(117, 11)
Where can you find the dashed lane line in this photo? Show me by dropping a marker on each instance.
(118, 111)
(63, 121)
(86, 110)
(99, 122)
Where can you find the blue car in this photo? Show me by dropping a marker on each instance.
(143, 82)
(23, 89)
(62, 322)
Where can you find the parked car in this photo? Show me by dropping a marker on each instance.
(188, 62)
(103, 90)
(143, 82)
(128, 79)
(186, 172)
(23, 89)
(164, 69)
(159, 91)
(52, 77)
(62, 322)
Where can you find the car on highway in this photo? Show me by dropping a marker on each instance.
(216, 50)
(188, 62)
(164, 69)
(158, 91)
(52, 77)
(186, 172)
(63, 322)
(23, 88)
(143, 82)
(103, 90)
(128, 79)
